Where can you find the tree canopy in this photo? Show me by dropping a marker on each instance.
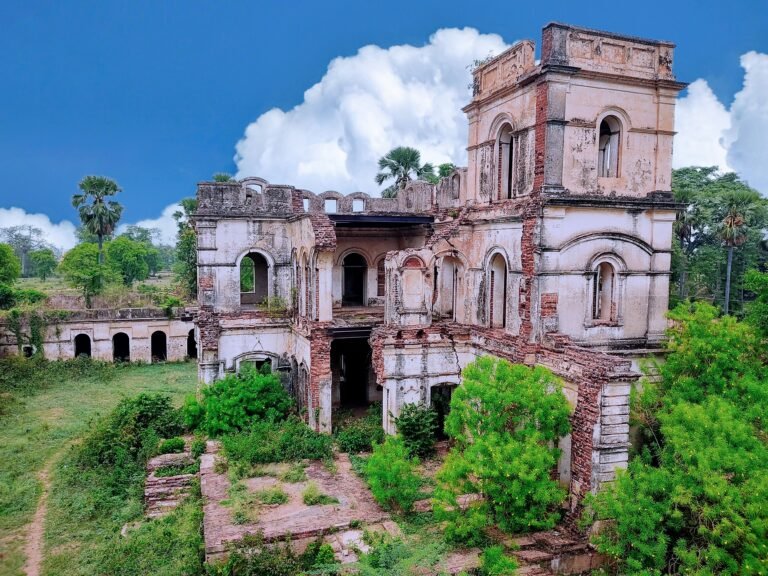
(98, 213)
(81, 268)
(723, 223)
(43, 262)
(10, 266)
(402, 164)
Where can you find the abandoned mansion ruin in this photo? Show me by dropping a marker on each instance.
(551, 248)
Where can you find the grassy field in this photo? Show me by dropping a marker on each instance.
(41, 424)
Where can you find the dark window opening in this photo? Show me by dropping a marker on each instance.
(82, 345)
(352, 373)
(355, 269)
(121, 347)
(159, 346)
(191, 345)
(28, 351)
(254, 279)
(506, 163)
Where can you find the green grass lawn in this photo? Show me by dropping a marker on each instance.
(39, 426)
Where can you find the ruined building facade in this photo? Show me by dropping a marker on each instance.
(552, 248)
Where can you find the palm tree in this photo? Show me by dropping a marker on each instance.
(401, 164)
(98, 214)
(737, 208)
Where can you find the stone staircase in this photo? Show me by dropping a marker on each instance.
(163, 494)
(553, 552)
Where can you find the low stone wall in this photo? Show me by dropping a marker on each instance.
(144, 333)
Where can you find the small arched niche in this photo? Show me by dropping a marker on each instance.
(159, 346)
(497, 302)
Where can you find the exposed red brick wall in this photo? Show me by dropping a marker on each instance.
(320, 363)
(548, 304)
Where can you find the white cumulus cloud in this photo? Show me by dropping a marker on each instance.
(733, 138)
(364, 106)
(61, 235)
(164, 223)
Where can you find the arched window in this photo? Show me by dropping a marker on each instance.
(608, 148)
(82, 345)
(498, 292)
(506, 168)
(159, 344)
(603, 291)
(121, 347)
(254, 279)
(381, 279)
(355, 269)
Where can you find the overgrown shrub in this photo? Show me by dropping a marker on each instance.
(417, 424)
(197, 448)
(171, 446)
(504, 420)
(257, 559)
(131, 432)
(283, 441)
(694, 501)
(236, 401)
(493, 562)
(355, 435)
(312, 495)
(390, 472)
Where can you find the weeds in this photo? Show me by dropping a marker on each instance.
(312, 496)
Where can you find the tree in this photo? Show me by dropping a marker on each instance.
(98, 214)
(446, 169)
(401, 164)
(24, 239)
(10, 266)
(186, 247)
(505, 420)
(128, 258)
(694, 501)
(44, 262)
(82, 269)
(699, 263)
(737, 208)
(141, 234)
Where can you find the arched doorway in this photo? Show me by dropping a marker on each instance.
(447, 281)
(82, 345)
(121, 347)
(159, 346)
(355, 268)
(498, 292)
(191, 345)
(254, 279)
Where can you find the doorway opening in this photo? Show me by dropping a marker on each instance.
(354, 384)
(121, 347)
(159, 346)
(440, 401)
(191, 345)
(82, 345)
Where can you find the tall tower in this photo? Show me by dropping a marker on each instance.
(583, 139)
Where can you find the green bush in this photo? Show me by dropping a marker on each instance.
(504, 420)
(236, 401)
(312, 495)
(171, 446)
(693, 502)
(390, 472)
(177, 470)
(198, 447)
(493, 562)
(274, 495)
(257, 559)
(417, 424)
(355, 435)
(283, 441)
(131, 432)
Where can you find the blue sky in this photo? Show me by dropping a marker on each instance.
(157, 94)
